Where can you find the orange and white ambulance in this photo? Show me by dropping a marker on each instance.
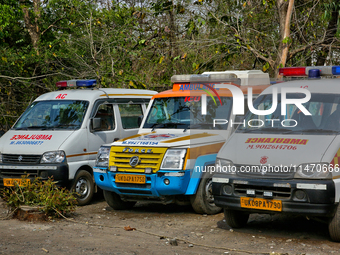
(178, 140)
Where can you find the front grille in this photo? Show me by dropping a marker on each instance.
(20, 159)
(121, 159)
(18, 173)
(278, 192)
(141, 192)
(257, 171)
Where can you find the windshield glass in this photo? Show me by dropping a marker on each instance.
(185, 112)
(325, 110)
(54, 114)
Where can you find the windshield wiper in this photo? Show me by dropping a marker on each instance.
(319, 130)
(37, 127)
(65, 125)
(21, 128)
(270, 129)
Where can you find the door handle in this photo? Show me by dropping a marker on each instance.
(116, 139)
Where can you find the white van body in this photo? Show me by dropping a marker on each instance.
(288, 165)
(60, 133)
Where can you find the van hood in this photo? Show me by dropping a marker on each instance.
(32, 142)
(275, 149)
(171, 139)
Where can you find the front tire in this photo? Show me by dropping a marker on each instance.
(203, 201)
(236, 219)
(83, 186)
(115, 202)
(334, 226)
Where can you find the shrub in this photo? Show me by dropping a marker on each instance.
(45, 195)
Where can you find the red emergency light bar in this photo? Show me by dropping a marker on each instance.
(293, 71)
(76, 83)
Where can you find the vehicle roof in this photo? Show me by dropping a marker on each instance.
(94, 93)
(221, 92)
(313, 85)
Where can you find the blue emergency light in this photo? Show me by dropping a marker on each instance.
(336, 70)
(76, 83)
(310, 71)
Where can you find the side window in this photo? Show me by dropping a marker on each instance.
(129, 114)
(106, 116)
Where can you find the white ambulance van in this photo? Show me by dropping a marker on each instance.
(285, 156)
(166, 161)
(60, 133)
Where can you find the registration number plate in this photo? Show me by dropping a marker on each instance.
(9, 182)
(130, 178)
(262, 204)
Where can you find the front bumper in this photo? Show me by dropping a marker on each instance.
(154, 187)
(319, 197)
(59, 172)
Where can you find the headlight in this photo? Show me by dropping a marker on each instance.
(53, 157)
(224, 166)
(313, 171)
(102, 159)
(173, 159)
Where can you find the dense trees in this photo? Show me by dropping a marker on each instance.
(141, 44)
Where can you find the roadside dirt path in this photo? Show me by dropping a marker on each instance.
(156, 229)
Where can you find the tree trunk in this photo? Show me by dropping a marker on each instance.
(285, 10)
(33, 29)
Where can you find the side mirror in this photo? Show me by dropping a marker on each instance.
(95, 124)
(140, 119)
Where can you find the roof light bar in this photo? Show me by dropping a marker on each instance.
(86, 83)
(204, 78)
(306, 71)
(293, 71)
(76, 83)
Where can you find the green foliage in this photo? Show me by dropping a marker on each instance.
(43, 194)
(129, 44)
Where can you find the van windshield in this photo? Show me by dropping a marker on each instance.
(324, 118)
(54, 114)
(185, 113)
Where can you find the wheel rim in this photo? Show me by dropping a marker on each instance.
(82, 188)
(208, 192)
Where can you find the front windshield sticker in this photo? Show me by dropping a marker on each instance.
(157, 136)
(145, 140)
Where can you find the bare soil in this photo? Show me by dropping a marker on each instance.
(161, 229)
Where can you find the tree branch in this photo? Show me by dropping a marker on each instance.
(52, 25)
(28, 78)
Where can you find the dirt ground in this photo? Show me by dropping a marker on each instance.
(161, 229)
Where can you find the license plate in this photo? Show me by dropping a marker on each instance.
(130, 178)
(9, 182)
(262, 204)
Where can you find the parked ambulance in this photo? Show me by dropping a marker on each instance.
(60, 133)
(179, 138)
(284, 157)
